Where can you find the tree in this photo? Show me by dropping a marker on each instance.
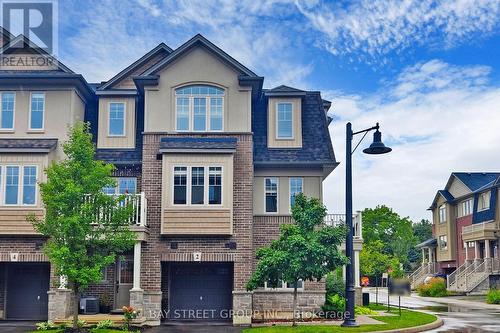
(306, 250)
(395, 232)
(86, 228)
(422, 231)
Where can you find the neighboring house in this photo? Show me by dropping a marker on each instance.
(465, 233)
(211, 159)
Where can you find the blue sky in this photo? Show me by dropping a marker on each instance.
(429, 71)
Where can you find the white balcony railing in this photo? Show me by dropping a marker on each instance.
(339, 219)
(139, 209)
(485, 226)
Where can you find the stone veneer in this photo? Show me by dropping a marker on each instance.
(269, 305)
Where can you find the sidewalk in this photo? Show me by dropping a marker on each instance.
(456, 301)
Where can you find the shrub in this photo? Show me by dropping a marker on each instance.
(45, 326)
(334, 303)
(362, 310)
(493, 296)
(436, 287)
(81, 323)
(107, 323)
(335, 284)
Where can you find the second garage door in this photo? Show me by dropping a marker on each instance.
(200, 291)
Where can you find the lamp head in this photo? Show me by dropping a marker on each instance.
(377, 147)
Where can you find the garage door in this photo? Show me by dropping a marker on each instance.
(27, 286)
(200, 291)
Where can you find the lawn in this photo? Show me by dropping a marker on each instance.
(93, 330)
(408, 319)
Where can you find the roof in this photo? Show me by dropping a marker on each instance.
(445, 194)
(119, 156)
(477, 180)
(432, 242)
(28, 145)
(193, 144)
(284, 91)
(197, 41)
(316, 142)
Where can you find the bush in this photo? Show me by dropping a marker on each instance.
(335, 284)
(362, 310)
(493, 296)
(45, 326)
(107, 323)
(436, 287)
(334, 303)
(81, 323)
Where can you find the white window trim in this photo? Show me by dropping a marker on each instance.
(287, 288)
(124, 120)
(191, 109)
(206, 186)
(20, 186)
(2, 129)
(277, 122)
(277, 196)
(290, 191)
(42, 129)
(443, 206)
(481, 200)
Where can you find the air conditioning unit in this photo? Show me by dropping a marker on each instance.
(89, 305)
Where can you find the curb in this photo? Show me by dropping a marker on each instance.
(435, 324)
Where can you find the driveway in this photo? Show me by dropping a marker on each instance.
(195, 328)
(458, 314)
(17, 326)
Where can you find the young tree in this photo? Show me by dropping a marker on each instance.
(86, 228)
(306, 250)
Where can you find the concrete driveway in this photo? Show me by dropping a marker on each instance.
(195, 328)
(17, 326)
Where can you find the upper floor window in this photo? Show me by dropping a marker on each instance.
(296, 185)
(442, 213)
(205, 185)
(465, 207)
(284, 121)
(483, 201)
(20, 184)
(124, 185)
(443, 242)
(7, 111)
(116, 125)
(199, 108)
(37, 111)
(271, 196)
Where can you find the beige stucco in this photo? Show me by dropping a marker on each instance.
(312, 187)
(104, 140)
(186, 219)
(198, 66)
(457, 189)
(447, 228)
(272, 140)
(62, 109)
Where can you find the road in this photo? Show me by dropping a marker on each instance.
(459, 315)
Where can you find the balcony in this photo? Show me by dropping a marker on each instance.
(479, 231)
(339, 219)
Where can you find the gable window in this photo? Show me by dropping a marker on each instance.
(443, 242)
(116, 119)
(200, 191)
(37, 111)
(125, 185)
(284, 121)
(180, 185)
(483, 201)
(199, 108)
(442, 213)
(7, 111)
(295, 188)
(466, 207)
(271, 196)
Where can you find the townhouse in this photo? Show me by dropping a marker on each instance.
(465, 232)
(211, 160)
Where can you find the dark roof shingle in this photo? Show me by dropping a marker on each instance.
(41, 145)
(197, 143)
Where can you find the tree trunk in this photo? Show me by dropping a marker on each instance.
(76, 305)
(294, 323)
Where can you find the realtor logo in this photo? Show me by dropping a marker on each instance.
(34, 19)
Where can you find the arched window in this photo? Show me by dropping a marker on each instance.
(199, 108)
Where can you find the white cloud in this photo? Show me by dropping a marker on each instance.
(437, 117)
(375, 28)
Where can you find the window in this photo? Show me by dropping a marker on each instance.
(201, 191)
(180, 185)
(215, 185)
(7, 114)
(37, 111)
(126, 271)
(116, 119)
(484, 201)
(471, 244)
(29, 185)
(199, 108)
(11, 185)
(442, 213)
(271, 188)
(295, 188)
(465, 208)
(125, 185)
(197, 185)
(443, 242)
(284, 121)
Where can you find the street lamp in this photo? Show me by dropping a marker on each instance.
(376, 148)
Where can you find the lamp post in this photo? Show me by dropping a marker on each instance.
(376, 148)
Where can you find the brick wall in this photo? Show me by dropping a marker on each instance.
(462, 222)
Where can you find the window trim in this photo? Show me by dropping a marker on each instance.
(124, 120)
(277, 195)
(441, 248)
(20, 185)
(206, 186)
(12, 129)
(480, 200)
(290, 190)
(442, 207)
(277, 137)
(41, 129)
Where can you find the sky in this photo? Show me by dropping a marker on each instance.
(427, 71)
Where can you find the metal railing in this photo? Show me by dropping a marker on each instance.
(339, 219)
(453, 276)
(138, 202)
